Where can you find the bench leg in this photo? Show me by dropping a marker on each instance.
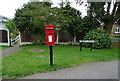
(80, 46)
(91, 46)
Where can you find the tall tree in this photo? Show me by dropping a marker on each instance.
(33, 17)
(88, 23)
(70, 18)
(56, 20)
(103, 14)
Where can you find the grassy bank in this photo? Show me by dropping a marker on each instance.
(24, 62)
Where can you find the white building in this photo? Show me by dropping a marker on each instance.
(4, 32)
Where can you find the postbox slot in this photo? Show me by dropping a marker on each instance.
(49, 29)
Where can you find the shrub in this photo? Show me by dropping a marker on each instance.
(102, 39)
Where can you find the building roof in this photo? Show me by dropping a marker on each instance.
(50, 1)
(3, 18)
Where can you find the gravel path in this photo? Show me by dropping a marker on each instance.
(98, 70)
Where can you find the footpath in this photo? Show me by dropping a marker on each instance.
(9, 50)
(97, 70)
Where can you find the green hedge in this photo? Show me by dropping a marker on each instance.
(102, 39)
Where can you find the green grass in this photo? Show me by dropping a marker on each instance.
(0, 69)
(24, 62)
(3, 47)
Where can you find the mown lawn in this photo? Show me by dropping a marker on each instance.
(24, 62)
(0, 69)
(2, 48)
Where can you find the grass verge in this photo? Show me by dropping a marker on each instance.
(24, 62)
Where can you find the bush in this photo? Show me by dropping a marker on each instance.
(102, 39)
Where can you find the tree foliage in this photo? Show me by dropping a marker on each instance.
(71, 19)
(88, 24)
(12, 28)
(33, 16)
(103, 14)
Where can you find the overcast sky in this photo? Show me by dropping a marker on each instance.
(8, 7)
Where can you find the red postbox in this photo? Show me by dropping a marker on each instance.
(50, 35)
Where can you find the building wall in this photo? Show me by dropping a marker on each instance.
(4, 36)
(4, 32)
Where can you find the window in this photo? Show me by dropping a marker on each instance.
(117, 30)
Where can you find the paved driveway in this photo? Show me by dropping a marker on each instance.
(98, 70)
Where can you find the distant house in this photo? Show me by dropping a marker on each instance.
(4, 32)
(115, 29)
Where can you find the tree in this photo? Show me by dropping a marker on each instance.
(88, 23)
(103, 14)
(70, 19)
(33, 17)
(101, 11)
(12, 28)
(56, 20)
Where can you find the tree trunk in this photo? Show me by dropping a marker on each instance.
(74, 42)
(108, 27)
(57, 39)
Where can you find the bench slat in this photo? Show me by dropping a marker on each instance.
(86, 41)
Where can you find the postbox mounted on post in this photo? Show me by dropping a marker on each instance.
(50, 40)
(50, 35)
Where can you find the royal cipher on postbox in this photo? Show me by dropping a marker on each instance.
(50, 35)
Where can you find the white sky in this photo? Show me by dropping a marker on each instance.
(8, 7)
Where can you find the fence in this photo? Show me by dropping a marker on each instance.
(15, 40)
